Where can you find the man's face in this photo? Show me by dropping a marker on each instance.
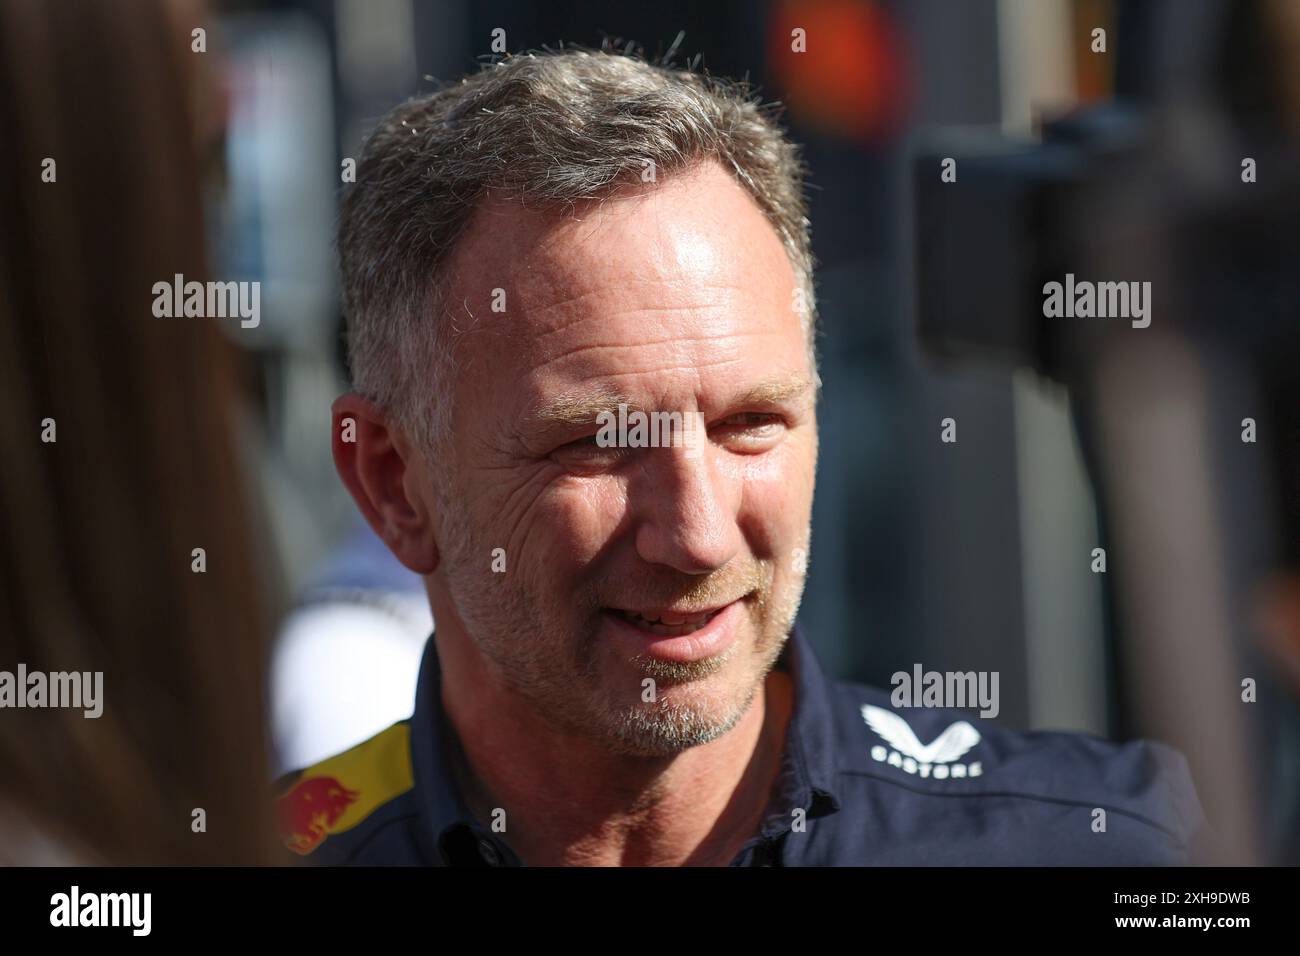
(679, 298)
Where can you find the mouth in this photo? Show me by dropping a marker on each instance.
(667, 622)
(680, 634)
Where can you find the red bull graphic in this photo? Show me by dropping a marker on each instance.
(309, 810)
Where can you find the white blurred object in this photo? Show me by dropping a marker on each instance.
(347, 658)
(343, 671)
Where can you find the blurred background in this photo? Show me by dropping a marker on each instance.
(1123, 162)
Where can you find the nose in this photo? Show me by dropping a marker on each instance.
(686, 511)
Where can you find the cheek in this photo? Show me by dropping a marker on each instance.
(569, 525)
(776, 501)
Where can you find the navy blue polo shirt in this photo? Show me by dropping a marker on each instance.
(862, 783)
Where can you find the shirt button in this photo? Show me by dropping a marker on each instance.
(489, 853)
(764, 854)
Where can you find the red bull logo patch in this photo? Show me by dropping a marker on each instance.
(309, 810)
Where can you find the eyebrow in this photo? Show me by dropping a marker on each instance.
(575, 410)
(774, 393)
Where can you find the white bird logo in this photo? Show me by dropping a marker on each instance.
(948, 746)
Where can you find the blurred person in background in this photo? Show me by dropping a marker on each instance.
(120, 456)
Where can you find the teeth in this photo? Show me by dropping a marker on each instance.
(669, 625)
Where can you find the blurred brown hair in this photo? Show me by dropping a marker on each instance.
(97, 529)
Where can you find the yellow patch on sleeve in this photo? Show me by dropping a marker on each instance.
(338, 793)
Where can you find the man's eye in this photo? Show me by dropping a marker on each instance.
(752, 422)
(587, 451)
(753, 419)
(750, 431)
(743, 433)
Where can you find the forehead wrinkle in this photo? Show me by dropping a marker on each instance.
(572, 316)
(625, 346)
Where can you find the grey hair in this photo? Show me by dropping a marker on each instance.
(553, 128)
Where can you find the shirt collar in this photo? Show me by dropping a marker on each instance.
(809, 761)
(453, 837)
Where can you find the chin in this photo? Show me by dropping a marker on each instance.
(658, 737)
(682, 716)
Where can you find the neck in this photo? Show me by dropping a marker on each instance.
(569, 800)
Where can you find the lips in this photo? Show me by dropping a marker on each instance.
(679, 635)
(668, 623)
